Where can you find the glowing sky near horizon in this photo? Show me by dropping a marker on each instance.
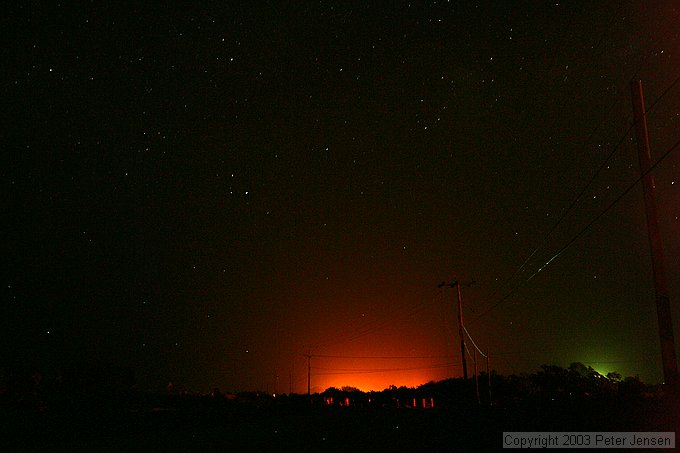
(207, 194)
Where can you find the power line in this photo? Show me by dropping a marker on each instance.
(636, 73)
(390, 370)
(473, 343)
(552, 229)
(525, 360)
(611, 205)
(540, 351)
(372, 327)
(573, 203)
(468, 351)
(349, 370)
(606, 31)
(379, 357)
(375, 324)
(664, 93)
(386, 322)
(583, 230)
(619, 361)
(376, 370)
(582, 191)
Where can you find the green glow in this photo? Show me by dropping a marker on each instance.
(603, 367)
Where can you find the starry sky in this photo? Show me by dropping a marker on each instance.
(208, 193)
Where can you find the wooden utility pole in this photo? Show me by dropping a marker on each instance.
(479, 401)
(663, 309)
(456, 284)
(488, 376)
(309, 372)
(460, 329)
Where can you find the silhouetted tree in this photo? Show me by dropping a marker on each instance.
(350, 389)
(614, 376)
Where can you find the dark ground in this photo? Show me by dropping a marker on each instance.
(204, 424)
(93, 407)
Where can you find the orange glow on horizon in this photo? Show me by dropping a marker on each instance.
(406, 352)
(379, 381)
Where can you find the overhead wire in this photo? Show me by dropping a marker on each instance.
(379, 324)
(345, 371)
(467, 349)
(373, 325)
(521, 268)
(583, 190)
(611, 205)
(378, 357)
(389, 370)
(555, 256)
(540, 351)
(639, 67)
(584, 229)
(473, 342)
(575, 200)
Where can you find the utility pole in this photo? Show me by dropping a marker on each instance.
(456, 284)
(488, 376)
(309, 372)
(663, 308)
(460, 329)
(479, 401)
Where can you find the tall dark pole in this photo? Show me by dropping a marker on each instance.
(309, 372)
(488, 376)
(456, 284)
(460, 330)
(663, 309)
(479, 401)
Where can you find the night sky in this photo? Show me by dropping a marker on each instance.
(207, 193)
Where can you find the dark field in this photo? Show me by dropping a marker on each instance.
(207, 424)
(97, 408)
